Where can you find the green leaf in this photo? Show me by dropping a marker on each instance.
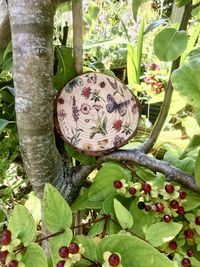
(193, 200)
(93, 10)
(34, 256)
(64, 7)
(162, 232)
(134, 252)
(132, 60)
(197, 115)
(59, 241)
(22, 223)
(3, 124)
(169, 44)
(66, 66)
(82, 202)
(57, 213)
(103, 183)
(187, 82)
(155, 24)
(123, 215)
(142, 220)
(180, 3)
(197, 170)
(193, 144)
(89, 246)
(135, 7)
(82, 158)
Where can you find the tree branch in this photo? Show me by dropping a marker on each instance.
(4, 25)
(150, 141)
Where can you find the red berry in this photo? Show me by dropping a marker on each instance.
(167, 218)
(5, 240)
(118, 184)
(169, 188)
(186, 262)
(197, 220)
(159, 207)
(132, 191)
(172, 245)
(190, 253)
(60, 264)
(182, 195)
(174, 204)
(146, 187)
(114, 260)
(7, 232)
(3, 254)
(13, 263)
(147, 208)
(188, 233)
(73, 248)
(180, 210)
(63, 252)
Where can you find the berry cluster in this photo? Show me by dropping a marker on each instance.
(70, 253)
(5, 240)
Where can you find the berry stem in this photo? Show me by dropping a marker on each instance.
(105, 217)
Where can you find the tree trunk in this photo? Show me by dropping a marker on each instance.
(4, 25)
(32, 39)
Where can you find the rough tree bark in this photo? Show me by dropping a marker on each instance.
(32, 38)
(5, 35)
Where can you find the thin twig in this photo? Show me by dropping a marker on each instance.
(150, 141)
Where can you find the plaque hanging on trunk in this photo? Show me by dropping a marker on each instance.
(96, 113)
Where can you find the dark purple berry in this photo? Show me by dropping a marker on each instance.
(3, 254)
(197, 220)
(147, 208)
(13, 263)
(132, 191)
(141, 205)
(114, 260)
(118, 184)
(190, 253)
(159, 207)
(73, 248)
(7, 232)
(5, 240)
(146, 187)
(172, 245)
(182, 195)
(63, 252)
(180, 210)
(188, 233)
(169, 188)
(60, 264)
(174, 204)
(186, 262)
(167, 218)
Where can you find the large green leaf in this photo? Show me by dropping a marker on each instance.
(65, 68)
(103, 183)
(169, 44)
(197, 170)
(84, 159)
(142, 220)
(134, 252)
(187, 82)
(123, 215)
(59, 241)
(193, 200)
(162, 232)
(57, 213)
(22, 222)
(34, 256)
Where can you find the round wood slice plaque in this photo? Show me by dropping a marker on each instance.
(96, 113)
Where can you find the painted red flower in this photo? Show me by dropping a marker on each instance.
(85, 109)
(86, 92)
(117, 125)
